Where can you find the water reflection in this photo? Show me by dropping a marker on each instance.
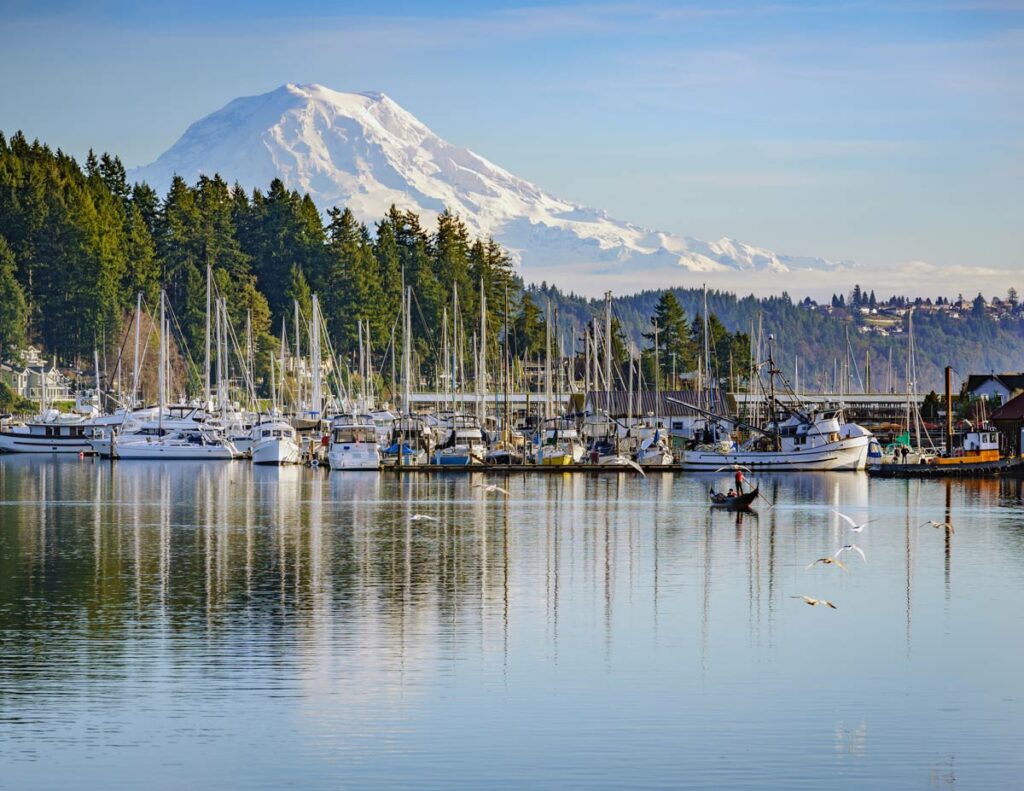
(609, 612)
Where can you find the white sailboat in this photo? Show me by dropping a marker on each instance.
(196, 442)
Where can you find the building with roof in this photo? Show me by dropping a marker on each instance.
(668, 408)
(1009, 421)
(993, 387)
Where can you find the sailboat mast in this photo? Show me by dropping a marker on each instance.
(481, 369)
(407, 353)
(138, 339)
(547, 364)
(161, 372)
(209, 295)
(608, 340)
(314, 351)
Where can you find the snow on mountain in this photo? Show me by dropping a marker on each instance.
(362, 150)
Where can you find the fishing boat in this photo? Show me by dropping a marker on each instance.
(736, 502)
(978, 456)
(795, 438)
(353, 444)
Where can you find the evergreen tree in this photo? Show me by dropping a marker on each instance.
(13, 308)
(674, 344)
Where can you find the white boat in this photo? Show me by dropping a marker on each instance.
(815, 441)
(50, 433)
(354, 444)
(145, 422)
(202, 443)
(274, 442)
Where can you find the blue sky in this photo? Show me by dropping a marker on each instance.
(880, 132)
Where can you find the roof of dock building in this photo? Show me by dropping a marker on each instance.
(658, 404)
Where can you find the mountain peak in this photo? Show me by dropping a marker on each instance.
(364, 151)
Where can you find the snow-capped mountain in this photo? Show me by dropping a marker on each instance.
(362, 150)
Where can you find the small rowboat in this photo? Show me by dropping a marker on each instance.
(739, 502)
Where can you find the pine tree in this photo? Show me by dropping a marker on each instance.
(674, 343)
(13, 308)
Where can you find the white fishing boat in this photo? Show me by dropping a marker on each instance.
(274, 442)
(353, 444)
(804, 441)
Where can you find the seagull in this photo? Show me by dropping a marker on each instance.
(854, 526)
(815, 602)
(423, 518)
(947, 525)
(636, 467)
(490, 487)
(850, 548)
(828, 562)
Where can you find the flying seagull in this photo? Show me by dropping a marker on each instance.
(829, 561)
(850, 548)
(937, 525)
(423, 518)
(636, 467)
(815, 602)
(854, 526)
(489, 488)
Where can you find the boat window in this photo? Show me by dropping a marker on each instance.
(266, 433)
(278, 433)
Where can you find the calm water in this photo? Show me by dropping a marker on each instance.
(212, 625)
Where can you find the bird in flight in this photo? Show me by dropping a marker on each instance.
(815, 602)
(423, 518)
(850, 548)
(489, 488)
(938, 525)
(829, 561)
(636, 467)
(854, 526)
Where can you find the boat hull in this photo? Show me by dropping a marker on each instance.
(276, 451)
(740, 502)
(16, 442)
(360, 456)
(142, 451)
(847, 454)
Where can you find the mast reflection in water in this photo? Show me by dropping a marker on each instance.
(217, 624)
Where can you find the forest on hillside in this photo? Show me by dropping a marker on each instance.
(78, 242)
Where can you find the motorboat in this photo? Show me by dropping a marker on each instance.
(353, 444)
(274, 442)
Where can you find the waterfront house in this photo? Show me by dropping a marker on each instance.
(998, 388)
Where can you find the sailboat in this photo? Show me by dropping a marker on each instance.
(195, 442)
(273, 438)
